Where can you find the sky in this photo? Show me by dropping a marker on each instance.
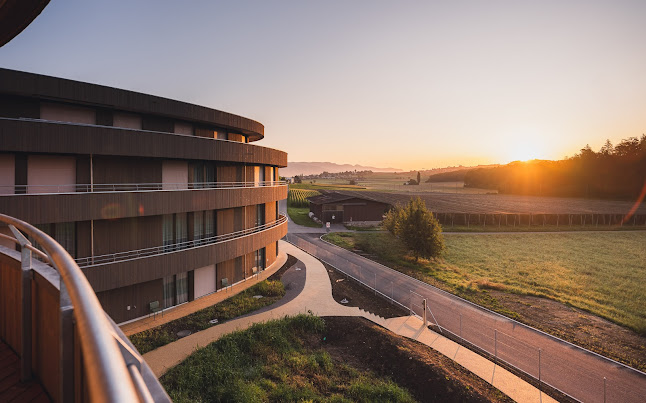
(404, 84)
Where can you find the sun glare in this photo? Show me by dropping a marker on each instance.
(526, 145)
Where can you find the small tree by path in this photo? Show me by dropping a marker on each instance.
(418, 229)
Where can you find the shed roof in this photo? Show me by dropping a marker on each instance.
(335, 197)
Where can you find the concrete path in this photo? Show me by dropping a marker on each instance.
(316, 297)
(573, 370)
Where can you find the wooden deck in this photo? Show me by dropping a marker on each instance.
(11, 389)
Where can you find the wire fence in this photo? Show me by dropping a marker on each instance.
(546, 361)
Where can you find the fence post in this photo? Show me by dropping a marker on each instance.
(461, 329)
(604, 389)
(495, 345)
(424, 307)
(540, 388)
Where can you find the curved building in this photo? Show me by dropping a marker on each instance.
(159, 201)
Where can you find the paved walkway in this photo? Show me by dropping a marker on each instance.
(317, 298)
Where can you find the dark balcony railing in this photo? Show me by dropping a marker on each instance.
(169, 248)
(112, 369)
(9, 190)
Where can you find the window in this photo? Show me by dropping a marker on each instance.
(198, 226)
(259, 258)
(167, 228)
(181, 287)
(169, 291)
(261, 174)
(64, 233)
(197, 172)
(260, 214)
(256, 176)
(209, 224)
(181, 231)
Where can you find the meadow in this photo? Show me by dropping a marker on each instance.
(602, 273)
(270, 362)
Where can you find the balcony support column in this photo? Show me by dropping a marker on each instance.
(25, 319)
(66, 346)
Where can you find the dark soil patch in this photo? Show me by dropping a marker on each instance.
(291, 260)
(578, 327)
(358, 295)
(427, 374)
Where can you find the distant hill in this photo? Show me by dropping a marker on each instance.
(314, 168)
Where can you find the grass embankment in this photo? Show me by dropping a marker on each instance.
(602, 273)
(300, 216)
(540, 228)
(270, 362)
(230, 308)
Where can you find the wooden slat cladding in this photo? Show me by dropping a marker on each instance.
(10, 307)
(112, 236)
(121, 274)
(137, 297)
(51, 208)
(38, 86)
(109, 169)
(61, 138)
(45, 317)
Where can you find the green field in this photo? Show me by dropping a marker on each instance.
(300, 216)
(389, 184)
(271, 362)
(602, 273)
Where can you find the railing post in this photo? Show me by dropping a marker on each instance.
(66, 343)
(495, 345)
(25, 286)
(424, 307)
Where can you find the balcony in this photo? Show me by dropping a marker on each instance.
(137, 266)
(51, 317)
(43, 136)
(112, 201)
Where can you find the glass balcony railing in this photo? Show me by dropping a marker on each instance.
(174, 247)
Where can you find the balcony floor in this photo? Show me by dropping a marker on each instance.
(11, 389)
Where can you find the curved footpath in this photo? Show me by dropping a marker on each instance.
(317, 298)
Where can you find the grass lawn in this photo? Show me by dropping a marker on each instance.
(300, 216)
(602, 273)
(230, 308)
(270, 362)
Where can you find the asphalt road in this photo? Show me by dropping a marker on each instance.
(573, 370)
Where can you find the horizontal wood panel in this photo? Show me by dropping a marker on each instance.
(45, 87)
(62, 138)
(49, 208)
(121, 274)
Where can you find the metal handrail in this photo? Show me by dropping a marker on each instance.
(108, 376)
(10, 190)
(158, 250)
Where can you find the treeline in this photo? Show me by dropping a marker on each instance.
(453, 176)
(612, 172)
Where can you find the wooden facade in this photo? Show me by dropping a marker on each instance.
(105, 136)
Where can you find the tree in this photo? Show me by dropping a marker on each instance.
(419, 178)
(297, 179)
(417, 228)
